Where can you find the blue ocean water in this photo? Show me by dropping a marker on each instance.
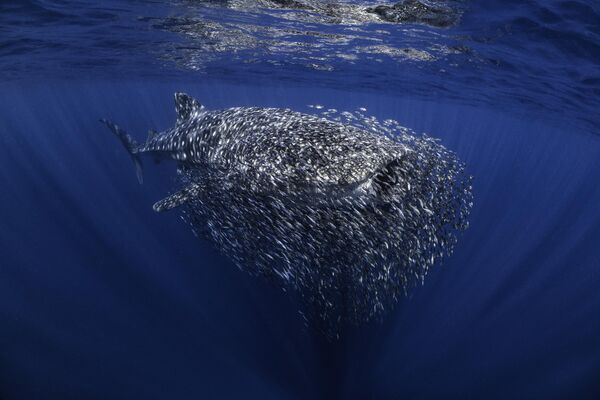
(100, 297)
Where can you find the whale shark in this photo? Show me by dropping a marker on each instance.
(247, 140)
(347, 217)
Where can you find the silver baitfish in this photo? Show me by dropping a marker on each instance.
(348, 217)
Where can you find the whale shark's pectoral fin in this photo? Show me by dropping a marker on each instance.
(186, 107)
(177, 199)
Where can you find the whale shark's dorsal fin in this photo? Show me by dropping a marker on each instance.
(178, 198)
(186, 107)
(151, 135)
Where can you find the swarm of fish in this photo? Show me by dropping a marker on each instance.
(347, 215)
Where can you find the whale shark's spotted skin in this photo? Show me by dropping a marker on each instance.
(348, 217)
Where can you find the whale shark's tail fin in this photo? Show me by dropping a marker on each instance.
(129, 144)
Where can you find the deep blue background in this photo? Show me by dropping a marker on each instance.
(100, 297)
